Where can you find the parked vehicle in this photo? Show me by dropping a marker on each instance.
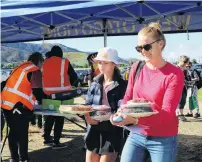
(198, 67)
(81, 74)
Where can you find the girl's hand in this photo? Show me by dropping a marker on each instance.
(89, 120)
(126, 120)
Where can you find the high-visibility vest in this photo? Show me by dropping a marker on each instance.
(18, 88)
(55, 76)
(126, 75)
(96, 70)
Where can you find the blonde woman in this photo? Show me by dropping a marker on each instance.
(161, 83)
(102, 139)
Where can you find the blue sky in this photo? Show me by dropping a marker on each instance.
(177, 44)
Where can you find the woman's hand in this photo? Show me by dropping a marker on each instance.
(89, 120)
(126, 120)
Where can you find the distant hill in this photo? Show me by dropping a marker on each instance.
(18, 52)
(132, 60)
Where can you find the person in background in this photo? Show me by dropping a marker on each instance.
(94, 71)
(158, 82)
(17, 102)
(36, 83)
(102, 140)
(126, 74)
(58, 76)
(183, 61)
(192, 90)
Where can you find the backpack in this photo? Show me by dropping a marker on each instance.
(198, 83)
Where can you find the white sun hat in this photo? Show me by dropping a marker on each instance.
(107, 54)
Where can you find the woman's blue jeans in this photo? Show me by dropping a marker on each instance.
(161, 149)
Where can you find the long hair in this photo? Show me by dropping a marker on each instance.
(117, 73)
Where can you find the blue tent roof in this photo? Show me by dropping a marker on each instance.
(37, 20)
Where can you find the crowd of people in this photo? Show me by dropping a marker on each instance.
(155, 137)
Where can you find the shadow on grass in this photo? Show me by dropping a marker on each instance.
(73, 153)
(73, 131)
(190, 150)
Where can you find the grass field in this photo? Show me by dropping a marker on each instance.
(200, 95)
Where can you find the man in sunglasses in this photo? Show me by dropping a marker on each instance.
(183, 62)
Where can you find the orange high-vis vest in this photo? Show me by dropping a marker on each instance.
(96, 70)
(18, 88)
(96, 73)
(55, 75)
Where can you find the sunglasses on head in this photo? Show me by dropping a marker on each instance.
(186, 62)
(146, 47)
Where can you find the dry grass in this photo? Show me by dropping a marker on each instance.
(190, 143)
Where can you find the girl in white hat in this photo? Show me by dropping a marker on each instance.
(102, 140)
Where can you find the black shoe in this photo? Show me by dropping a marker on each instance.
(48, 142)
(58, 146)
(189, 115)
(197, 115)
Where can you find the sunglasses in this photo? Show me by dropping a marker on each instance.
(146, 47)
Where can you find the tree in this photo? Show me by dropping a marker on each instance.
(86, 65)
(194, 61)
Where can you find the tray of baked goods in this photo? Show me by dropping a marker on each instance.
(138, 107)
(75, 109)
(101, 112)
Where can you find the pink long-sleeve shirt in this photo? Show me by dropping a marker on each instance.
(163, 87)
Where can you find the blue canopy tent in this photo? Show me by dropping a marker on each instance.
(37, 20)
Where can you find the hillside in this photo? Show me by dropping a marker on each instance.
(77, 58)
(14, 53)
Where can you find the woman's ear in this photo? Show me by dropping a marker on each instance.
(162, 44)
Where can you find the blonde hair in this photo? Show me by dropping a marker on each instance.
(184, 59)
(153, 30)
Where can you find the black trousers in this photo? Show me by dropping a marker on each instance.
(59, 123)
(183, 99)
(18, 122)
(39, 94)
(2, 123)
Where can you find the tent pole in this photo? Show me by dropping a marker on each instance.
(187, 34)
(105, 30)
(105, 39)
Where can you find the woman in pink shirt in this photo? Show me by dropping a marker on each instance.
(161, 83)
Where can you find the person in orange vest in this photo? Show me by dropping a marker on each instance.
(17, 102)
(36, 83)
(126, 74)
(94, 67)
(58, 76)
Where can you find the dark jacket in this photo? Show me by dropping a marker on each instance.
(94, 96)
(73, 76)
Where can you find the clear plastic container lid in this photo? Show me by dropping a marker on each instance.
(101, 107)
(101, 115)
